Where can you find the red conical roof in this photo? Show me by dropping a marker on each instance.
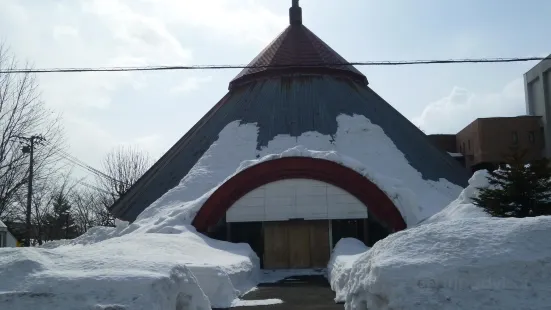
(297, 50)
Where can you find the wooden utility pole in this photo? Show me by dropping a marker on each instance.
(29, 149)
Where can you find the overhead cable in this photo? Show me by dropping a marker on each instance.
(282, 66)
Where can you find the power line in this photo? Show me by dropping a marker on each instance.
(88, 185)
(82, 164)
(64, 155)
(220, 67)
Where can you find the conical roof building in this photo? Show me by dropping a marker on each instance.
(328, 158)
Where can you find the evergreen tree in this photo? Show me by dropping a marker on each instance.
(60, 223)
(517, 189)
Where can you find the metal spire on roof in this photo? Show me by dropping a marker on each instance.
(295, 14)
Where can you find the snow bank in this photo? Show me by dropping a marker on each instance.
(474, 263)
(463, 206)
(162, 235)
(236, 150)
(343, 256)
(134, 271)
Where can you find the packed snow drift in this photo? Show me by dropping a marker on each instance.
(463, 207)
(180, 271)
(473, 263)
(343, 256)
(460, 258)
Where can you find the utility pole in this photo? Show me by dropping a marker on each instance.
(29, 149)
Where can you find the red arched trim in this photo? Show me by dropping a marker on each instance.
(380, 206)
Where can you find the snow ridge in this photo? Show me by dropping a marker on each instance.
(472, 263)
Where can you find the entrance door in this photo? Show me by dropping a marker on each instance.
(300, 244)
(319, 244)
(276, 246)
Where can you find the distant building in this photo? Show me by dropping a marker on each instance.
(537, 86)
(7, 240)
(486, 142)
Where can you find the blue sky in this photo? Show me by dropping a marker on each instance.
(155, 109)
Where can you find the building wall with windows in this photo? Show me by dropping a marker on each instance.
(468, 143)
(499, 137)
(487, 142)
(537, 86)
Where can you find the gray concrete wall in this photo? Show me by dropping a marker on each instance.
(537, 86)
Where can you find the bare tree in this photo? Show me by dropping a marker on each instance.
(87, 208)
(123, 166)
(22, 114)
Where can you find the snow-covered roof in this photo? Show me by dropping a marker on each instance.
(292, 103)
(3, 226)
(293, 108)
(385, 165)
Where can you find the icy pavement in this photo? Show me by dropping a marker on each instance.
(292, 293)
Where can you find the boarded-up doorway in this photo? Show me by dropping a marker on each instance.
(296, 244)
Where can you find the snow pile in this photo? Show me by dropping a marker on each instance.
(135, 271)
(463, 206)
(474, 263)
(236, 150)
(160, 249)
(343, 256)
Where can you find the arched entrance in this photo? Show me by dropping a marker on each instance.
(380, 206)
(298, 234)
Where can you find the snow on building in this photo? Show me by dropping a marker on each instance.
(299, 153)
(7, 240)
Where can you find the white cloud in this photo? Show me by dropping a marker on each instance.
(238, 21)
(152, 144)
(136, 34)
(89, 34)
(61, 32)
(452, 113)
(190, 84)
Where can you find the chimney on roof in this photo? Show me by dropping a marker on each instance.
(295, 14)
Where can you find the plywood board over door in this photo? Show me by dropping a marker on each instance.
(296, 244)
(276, 246)
(319, 244)
(299, 244)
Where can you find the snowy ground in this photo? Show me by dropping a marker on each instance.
(134, 271)
(484, 263)
(458, 259)
(463, 207)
